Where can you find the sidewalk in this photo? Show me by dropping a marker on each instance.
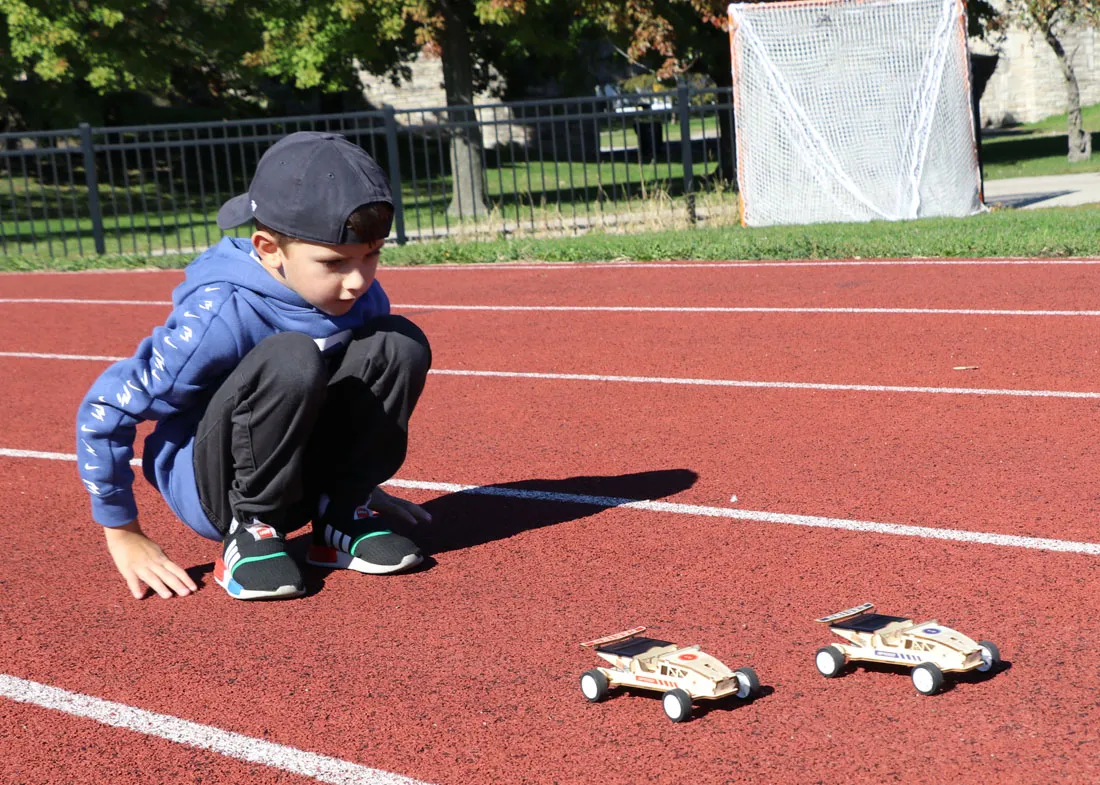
(1064, 190)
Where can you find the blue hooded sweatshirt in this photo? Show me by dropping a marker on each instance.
(227, 304)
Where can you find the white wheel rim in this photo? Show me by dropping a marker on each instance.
(672, 707)
(743, 686)
(589, 687)
(825, 663)
(987, 660)
(922, 678)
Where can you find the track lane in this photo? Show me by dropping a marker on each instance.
(467, 671)
(987, 285)
(44, 747)
(536, 588)
(1008, 466)
(1009, 352)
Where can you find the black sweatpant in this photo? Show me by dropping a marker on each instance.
(284, 427)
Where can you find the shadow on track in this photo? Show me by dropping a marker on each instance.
(496, 512)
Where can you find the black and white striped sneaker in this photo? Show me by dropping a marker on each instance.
(255, 564)
(360, 541)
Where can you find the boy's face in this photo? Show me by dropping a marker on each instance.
(329, 277)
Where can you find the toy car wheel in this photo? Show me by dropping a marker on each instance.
(594, 685)
(829, 661)
(677, 705)
(748, 684)
(991, 656)
(927, 678)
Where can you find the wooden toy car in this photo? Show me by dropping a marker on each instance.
(930, 648)
(683, 674)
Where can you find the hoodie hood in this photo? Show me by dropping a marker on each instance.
(231, 262)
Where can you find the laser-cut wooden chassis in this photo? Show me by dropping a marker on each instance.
(683, 674)
(930, 648)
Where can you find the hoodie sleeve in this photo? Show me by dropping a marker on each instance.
(166, 375)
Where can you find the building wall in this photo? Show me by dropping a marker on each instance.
(1027, 84)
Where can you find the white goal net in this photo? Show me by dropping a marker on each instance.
(850, 110)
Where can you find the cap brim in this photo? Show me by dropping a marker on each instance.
(235, 212)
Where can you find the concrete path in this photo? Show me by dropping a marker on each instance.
(1064, 190)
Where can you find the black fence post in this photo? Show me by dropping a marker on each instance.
(88, 148)
(395, 173)
(683, 100)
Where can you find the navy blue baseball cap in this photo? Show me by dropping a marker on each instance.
(307, 185)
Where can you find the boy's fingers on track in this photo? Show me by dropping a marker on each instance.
(181, 576)
(152, 576)
(135, 586)
(169, 574)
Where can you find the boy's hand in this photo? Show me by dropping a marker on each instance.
(381, 502)
(142, 563)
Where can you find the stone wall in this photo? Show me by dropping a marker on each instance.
(424, 91)
(1028, 85)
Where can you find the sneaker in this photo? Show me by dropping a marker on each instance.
(359, 541)
(255, 564)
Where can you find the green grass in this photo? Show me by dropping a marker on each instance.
(1054, 232)
(1039, 149)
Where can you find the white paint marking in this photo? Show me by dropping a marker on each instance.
(206, 737)
(638, 308)
(588, 377)
(745, 309)
(44, 356)
(506, 266)
(62, 301)
(591, 377)
(926, 532)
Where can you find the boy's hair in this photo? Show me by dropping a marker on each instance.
(371, 222)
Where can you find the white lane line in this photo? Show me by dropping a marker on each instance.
(587, 377)
(72, 301)
(506, 266)
(591, 377)
(742, 309)
(627, 308)
(206, 737)
(816, 521)
(45, 356)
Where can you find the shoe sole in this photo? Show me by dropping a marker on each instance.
(238, 592)
(339, 560)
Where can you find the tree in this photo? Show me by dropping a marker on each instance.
(315, 44)
(74, 51)
(1050, 19)
(303, 41)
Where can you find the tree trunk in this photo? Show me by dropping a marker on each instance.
(468, 196)
(1080, 142)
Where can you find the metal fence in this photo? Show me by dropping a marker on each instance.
(541, 168)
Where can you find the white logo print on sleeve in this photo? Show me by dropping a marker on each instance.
(98, 411)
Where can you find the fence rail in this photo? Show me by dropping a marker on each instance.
(546, 167)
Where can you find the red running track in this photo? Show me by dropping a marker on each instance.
(467, 671)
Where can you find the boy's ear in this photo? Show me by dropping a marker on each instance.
(266, 246)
